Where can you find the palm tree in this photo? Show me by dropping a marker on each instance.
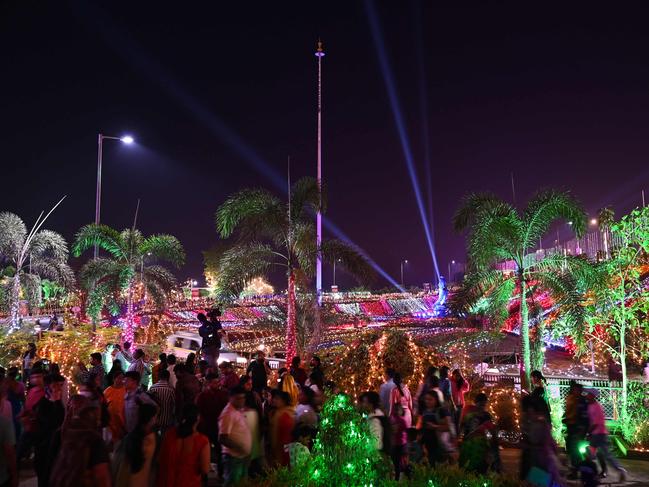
(33, 255)
(128, 264)
(498, 232)
(605, 219)
(274, 234)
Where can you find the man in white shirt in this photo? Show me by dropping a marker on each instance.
(385, 391)
(235, 438)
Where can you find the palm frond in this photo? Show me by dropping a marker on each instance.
(350, 258)
(31, 285)
(163, 247)
(568, 301)
(157, 294)
(242, 263)
(47, 243)
(54, 269)
(252, 212)
(475, 205)
(487, 291)
(547, 207)
(98, 270)
(494, 237)
(303, 246)
(159, 276)
(12, 235)
(103, 236)
(306, 197)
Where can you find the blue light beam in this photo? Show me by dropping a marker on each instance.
(390, 86)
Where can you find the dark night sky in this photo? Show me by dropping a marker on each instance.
(560, 96)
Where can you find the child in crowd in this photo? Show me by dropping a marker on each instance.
(300, 449)
(414, 454)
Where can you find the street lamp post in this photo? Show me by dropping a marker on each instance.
(127, 139)
(335, 260)
(403, 262)
(449, 269)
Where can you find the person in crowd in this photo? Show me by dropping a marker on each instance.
(431, 423)
(480, 438)
(117, 367)
(430, 381)
(385, 391)
(29, 359)
(459, 387)
(298, 373)
(211, 402)
(97, 367)
(398, 426)
(445, 384)
(538, 447)
(316, 377)
(185, 453)
(16, 396)
(599, 436)
(124, 355)
(132, 464)
(210, 331)
(187, 388)
(414, 453)
(8, 463)
(576, 420)
(55, 369)
(190, 363)
(229, 378)
(299, 450)
(235, 438)
(35, 393)
(165, 396)
(140, 366)
(49, 417)
(171, 364)
(401, 395)
(91, 388)
(305, 411)
(252, 413)
(291, 388)
(281, 424)
(252, 397)
(540, 394)
(370, 404)
(259, 370)
(280, 376)
(114, 396)
(82, 459)
(5, 406)
(161, 365)
(133, 398)
(203, 369)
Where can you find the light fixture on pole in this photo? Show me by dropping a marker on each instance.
(126, 139)
(403, 262)
(449, 269)
(335, 260)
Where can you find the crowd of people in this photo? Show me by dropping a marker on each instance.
(199, 417)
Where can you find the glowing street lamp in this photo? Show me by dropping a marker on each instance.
(403, 262)
(449, 269)
(126, 139)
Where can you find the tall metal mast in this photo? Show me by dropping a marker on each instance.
(318, 279)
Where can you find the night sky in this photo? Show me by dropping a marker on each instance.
(218, 94)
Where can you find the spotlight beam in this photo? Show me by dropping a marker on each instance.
(390, 86)
(125, 46)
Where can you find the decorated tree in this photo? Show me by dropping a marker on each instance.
(130, 262)
(34, 255)
(498, 232)
(617, 298)
(273, 234)
(344, 452)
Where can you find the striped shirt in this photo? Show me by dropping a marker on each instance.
(165, 396)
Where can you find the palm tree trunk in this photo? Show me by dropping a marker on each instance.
(128, 331)
(15, 301)
(525, 336)
(291, 339)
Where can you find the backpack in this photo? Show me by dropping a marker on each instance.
(387, 433)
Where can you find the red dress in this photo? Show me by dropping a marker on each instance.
(179, 467)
